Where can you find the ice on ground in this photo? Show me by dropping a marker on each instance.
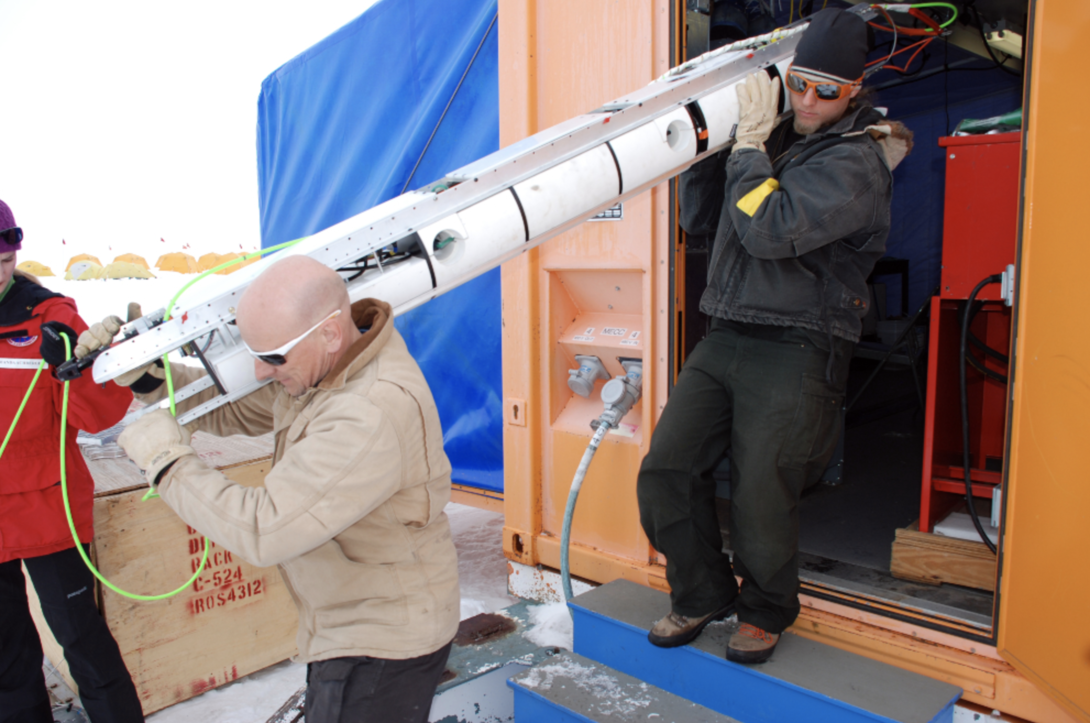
(610, 696)
(248, 700)
(482, 569)
(551, 626)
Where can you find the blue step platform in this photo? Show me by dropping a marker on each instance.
(568, 688)
(804, 681)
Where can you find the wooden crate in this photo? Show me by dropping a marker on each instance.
(234, 620)
(934, 559)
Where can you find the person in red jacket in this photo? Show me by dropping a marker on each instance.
(33, 526)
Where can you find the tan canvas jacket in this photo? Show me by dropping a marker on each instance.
(352, 511)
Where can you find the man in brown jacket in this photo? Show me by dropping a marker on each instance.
(352, 511)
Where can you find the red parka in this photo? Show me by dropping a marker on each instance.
(32, 518)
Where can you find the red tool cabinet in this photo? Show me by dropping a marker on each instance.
(980, 226)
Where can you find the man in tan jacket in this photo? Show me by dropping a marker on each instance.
(352, 511)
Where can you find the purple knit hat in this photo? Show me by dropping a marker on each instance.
(7, 223)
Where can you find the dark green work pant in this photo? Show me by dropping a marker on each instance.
(761, 392)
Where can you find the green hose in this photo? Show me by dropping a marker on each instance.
(64, 489)
(948, 6)
(64, 428)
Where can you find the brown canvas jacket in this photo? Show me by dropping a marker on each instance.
(352, 511)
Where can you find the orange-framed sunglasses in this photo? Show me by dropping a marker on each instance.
(824, 90)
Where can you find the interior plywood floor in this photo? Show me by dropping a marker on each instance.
(847, 530)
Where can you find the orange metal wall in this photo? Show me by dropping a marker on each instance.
(559, 60)
(1044, 628)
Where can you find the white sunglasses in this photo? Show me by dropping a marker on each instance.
(278, 357)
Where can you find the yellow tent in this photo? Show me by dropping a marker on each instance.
(208, 261)
(126, 270)
(81, 257)
(224, 258)
(133, 259)
(240, 264)
(84, 271)
(34, 268)
(180, 262)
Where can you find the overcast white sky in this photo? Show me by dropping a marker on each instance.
(125, 122)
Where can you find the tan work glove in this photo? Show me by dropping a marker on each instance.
(99, 335)
(154, 442)
(758, 101)
(103, 333)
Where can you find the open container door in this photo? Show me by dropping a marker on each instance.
(1044, 625)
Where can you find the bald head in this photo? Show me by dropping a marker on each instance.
(290, 296)
(286, 300)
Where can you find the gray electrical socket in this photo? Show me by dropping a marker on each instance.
(581, 380)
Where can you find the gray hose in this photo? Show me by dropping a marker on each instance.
(569, 511)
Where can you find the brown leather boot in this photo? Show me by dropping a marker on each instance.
(749, 644)
(675, 630)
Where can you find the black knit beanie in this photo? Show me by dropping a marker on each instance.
(834, 44)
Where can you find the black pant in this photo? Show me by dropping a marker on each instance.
(373, 690)
(762, 393)
(66, 590)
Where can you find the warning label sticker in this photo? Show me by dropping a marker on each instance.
(624, 430)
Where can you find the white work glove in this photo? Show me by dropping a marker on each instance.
(758, 101)
(154, 442)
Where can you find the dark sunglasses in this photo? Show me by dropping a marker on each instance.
(279, 357)
(12, 236)
(824, 90)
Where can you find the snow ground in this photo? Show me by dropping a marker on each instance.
(102, 297)
(482, 570)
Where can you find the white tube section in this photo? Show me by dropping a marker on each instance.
(395, 285)
(569, 190)
(655, 149)
(474, 238)
(782, 66)
(721, 114)
(721, 107)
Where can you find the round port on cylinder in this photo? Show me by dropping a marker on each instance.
(445, 245)
(679, 135)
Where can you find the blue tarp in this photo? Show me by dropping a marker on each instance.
(342, 127)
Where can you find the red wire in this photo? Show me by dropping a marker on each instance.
(931, 33)
(919, 47)
(932, 26)
(906, 48)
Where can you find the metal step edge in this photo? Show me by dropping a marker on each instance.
(570, 687)
(805, 680)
